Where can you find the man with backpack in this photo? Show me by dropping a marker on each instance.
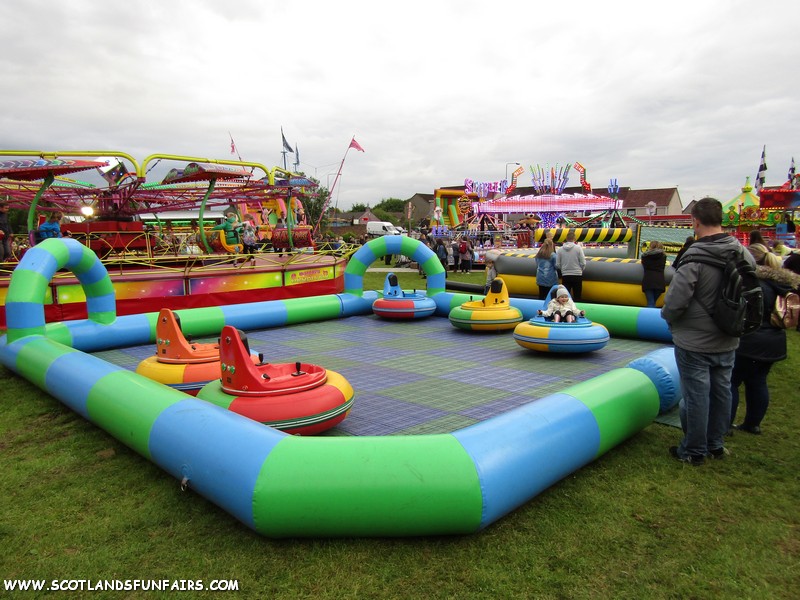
(705, 347)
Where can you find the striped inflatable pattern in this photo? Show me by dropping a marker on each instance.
(393, 244)
(306, 412)
(289, 486)
(545, 336)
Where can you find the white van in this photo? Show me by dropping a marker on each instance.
(379, 228)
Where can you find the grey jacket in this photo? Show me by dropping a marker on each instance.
(692, 327)
(570, 259)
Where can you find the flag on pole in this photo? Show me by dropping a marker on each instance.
(791, 170)
(355, 145)
(233, 144)
(286, 145)
(761, 178)
(297, 154)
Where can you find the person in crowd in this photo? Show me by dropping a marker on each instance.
(703, 352)
(758, 351)
(780, 250)
(5, 234)
(465, 250)
(561, 308)
(571, 262)
(229, 226)
(689, 241)
(441, 254)
(249, 235)
(456, 255)
(792, 261)
(51, 228)
(546, 274)
(756, 237)
(654, 261)
(451, 258)
(491, 274)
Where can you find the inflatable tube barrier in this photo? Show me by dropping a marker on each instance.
(289, 486)
(605, 280)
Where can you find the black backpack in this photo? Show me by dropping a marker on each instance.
(739, 306)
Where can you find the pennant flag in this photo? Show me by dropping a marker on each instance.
(761, 178)
(355, 145)
(233, 145)
(286, 145)
(297, 154)
(791, 170)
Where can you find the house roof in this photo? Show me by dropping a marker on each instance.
(641, 198)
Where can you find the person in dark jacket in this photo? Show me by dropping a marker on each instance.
(654, 261)
(764, 347)
(689, 241)
(704, 353)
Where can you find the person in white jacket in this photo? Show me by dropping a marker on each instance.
(561, 308)
(571, 262)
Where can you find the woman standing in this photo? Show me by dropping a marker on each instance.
(546, 274)
(758, 351)
(653, 262)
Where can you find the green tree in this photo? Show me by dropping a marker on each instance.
(314, 204)
(359, 208)
(391, 205)
(384, 216)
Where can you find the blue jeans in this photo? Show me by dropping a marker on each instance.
(705, 408)
(652, 297)
(753, 374)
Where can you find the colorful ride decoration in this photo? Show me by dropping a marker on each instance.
(179, 362)
(397, 304)
(547, 336)
(450, 205)
(492, 313)
(747, 210)
(298, 398)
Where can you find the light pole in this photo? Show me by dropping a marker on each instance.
(507, 165)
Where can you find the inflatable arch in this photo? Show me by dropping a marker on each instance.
(24, 307)
(394, 244)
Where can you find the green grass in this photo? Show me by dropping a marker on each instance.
(77, 504)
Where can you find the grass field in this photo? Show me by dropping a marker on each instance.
(77, 504)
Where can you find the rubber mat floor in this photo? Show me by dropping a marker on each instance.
(423, 376)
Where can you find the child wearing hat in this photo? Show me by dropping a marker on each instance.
(561, 308)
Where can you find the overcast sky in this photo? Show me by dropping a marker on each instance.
(683, 93)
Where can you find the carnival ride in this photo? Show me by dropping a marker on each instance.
(166, 268)
(771, 211)
(288, 486)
